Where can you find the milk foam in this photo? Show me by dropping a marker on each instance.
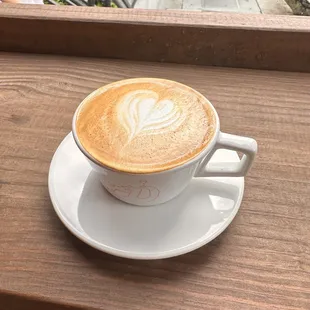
(141, 112)
(145, 125)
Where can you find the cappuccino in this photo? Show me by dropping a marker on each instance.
(145, 125)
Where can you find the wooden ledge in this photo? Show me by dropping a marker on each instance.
(260, 262)
(201, 38)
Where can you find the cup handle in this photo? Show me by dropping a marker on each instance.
(247, 146)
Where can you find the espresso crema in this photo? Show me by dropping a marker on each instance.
(145, 125)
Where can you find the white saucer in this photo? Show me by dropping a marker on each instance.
(197, 216)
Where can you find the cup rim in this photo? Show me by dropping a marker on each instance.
(202, 154)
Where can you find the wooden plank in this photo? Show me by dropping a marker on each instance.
(202, 38)
(11, 301)
(260, 262)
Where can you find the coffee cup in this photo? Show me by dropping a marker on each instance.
(147, 138)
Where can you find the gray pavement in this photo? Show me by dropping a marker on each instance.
(279, 7)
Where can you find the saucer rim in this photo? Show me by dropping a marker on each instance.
(127, 254)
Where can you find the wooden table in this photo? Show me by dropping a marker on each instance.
(262, 261)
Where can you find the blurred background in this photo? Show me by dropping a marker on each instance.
(279, 7)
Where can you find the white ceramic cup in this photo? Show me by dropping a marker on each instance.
(159, 187)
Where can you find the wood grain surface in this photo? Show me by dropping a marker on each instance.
(199, 38)
(262, 261)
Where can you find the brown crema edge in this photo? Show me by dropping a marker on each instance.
(147, 169)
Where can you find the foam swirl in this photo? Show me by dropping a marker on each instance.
(142, 113)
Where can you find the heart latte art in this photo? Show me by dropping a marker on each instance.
(142, 112)
(144, 125)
